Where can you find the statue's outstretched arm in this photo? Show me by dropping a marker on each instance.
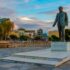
(56, 19)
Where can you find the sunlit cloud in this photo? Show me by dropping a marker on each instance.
(26, 19)
(34, 21)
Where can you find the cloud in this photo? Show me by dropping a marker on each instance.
(27, 1)
(52, 12)
(33, 20)
(11, 4)
(67, 8)
(6, 12)
(49, 12)
(37, 6)
(26, 19)
(32, 23)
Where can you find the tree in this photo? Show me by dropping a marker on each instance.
(38, 37)
(23, 37)
(1, 32)
(67, 34)
(54, 38)
(13, 37)
(8, 26)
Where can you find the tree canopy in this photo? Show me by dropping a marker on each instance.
(6, 25)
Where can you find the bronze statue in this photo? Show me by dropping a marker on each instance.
(62, 21)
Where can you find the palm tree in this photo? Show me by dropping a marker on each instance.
(7, 27)
(1, 32)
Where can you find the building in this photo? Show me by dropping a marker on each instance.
(50, 33)
(29, 33)
(21, 31)
(40, 32)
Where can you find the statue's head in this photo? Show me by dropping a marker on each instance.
(60, 9)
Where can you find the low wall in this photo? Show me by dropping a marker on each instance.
(14, 44)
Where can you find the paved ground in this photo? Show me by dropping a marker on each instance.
(7, 65)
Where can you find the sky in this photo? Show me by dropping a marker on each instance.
(33, 14)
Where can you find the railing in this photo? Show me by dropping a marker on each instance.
(14, 44)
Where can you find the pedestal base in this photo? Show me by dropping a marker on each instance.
(60, 46)
(56, 55)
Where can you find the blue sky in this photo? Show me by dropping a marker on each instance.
(33, 14)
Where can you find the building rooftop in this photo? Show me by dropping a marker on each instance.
(29, 30)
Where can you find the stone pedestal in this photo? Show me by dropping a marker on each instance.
(60, 46)
(58, 54)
